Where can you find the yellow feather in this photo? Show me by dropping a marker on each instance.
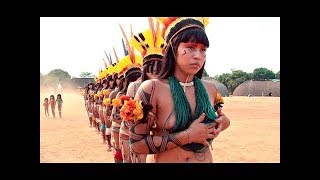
(137, 45)
(149, 41)
(203, 20)
(160, 39)
(138, 59)
(148, 38)
(116, 68)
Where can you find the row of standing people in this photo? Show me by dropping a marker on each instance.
(180, 120)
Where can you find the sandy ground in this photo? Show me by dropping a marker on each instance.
(253, 136)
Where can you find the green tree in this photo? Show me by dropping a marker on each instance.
(234, 79)
(237, 77)
(59, 76)
(86, 75)
(278, 75)
(262, 74)
(223, 78)
(49, 81)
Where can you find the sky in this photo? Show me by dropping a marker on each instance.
(77, 44)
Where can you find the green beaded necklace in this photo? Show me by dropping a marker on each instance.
(181, 106)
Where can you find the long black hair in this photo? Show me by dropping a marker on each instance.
(98, 87)
(87, 87)
(192, 34)
(59, 95)
(107, 80)
(121, 84)
(115, 77)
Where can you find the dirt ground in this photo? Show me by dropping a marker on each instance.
(253, 136)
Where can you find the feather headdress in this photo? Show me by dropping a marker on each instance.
(149, 42)
(171, 26)
(107, 61)
(107, 64)
(131, 60)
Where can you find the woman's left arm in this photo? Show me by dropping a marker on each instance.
(223, 122)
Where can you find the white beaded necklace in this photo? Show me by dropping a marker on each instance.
(188, 84)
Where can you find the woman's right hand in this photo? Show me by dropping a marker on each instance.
(199, 132)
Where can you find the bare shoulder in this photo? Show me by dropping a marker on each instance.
(119, 94)
(113, 93)
(132, 88)
(134, 85)
(150, 84)
(150, 90)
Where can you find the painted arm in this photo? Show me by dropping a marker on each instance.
(141, 142)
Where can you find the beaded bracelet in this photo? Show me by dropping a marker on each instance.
(188, 136)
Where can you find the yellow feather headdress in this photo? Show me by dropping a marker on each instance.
(108, 66)
(126, 63)
(131, 60)
(149, 42)
(168, 24)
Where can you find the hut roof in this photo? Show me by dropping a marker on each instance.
(222, 89)
(258, 88)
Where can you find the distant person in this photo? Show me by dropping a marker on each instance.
(107, 89)
(59, 101)
(89, 91)
(53, 105)
(46, 107)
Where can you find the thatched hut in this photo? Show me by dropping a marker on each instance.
(258, 88)
(222, 89)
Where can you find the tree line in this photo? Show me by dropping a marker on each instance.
(230, 80)
(59, 76)
(237, 77)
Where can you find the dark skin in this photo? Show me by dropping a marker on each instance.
(114, 135)
(106, 117)
(164, 146)
(132, 90)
